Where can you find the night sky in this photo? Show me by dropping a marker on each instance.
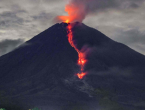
(121, 20)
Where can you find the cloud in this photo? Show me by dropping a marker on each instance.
(8, 45)
(17, 17)
(10, 20)
(131, 36)
(126, 26)
(102, 5)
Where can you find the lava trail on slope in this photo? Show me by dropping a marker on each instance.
(81, 61)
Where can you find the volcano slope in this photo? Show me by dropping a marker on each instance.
(42, 73)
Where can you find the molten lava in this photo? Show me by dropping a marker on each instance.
(81, 75)
(76, 12)
(81, 60)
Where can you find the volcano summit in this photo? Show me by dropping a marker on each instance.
(42, 73)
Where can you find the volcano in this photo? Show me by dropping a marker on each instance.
(42, 73)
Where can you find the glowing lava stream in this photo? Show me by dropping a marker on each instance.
(81, 60)
(75, 13)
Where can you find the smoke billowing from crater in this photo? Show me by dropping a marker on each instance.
(78, 9)
(76, 12)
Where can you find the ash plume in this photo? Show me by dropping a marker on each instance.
(78, 9)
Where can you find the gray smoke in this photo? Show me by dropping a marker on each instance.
(96, 6)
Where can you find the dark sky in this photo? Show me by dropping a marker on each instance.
(121, 20)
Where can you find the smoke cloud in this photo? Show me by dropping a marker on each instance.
(78, 9)
(76, 12)
(97, 5)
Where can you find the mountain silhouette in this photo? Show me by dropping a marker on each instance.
(42, 73)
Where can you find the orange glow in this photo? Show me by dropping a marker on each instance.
(75, 13)
(81, 75)
(67, 21)
(81, 60)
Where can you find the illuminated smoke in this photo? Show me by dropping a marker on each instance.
(76, 12)
(78, 9)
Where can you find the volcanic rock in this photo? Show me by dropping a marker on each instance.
(42, 73)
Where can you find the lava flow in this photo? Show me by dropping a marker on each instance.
(75, 13)
(81, 60)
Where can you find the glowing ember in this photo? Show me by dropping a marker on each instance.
(81, 75)
(75, 13)
(81, 60)
(67, 21)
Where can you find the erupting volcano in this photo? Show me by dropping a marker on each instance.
(45, 72)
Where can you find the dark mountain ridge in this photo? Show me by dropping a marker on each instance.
(42, 71)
